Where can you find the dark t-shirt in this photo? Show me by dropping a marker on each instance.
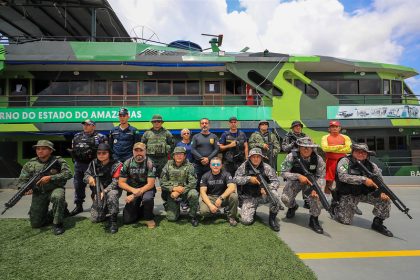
(216, 184)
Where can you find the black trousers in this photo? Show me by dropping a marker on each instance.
(141, 207)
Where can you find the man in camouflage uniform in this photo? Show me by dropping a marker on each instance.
(266, 141)
(252, 193)
(50, 188)
(296, 181)
(179, 180)
(83, 151)
(159, 143)
(107, 170)
(353, 186)
(137, 177)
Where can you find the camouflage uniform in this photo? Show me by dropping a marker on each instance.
(257, 140)
(109, 181)
(251, 194)
(51, 192)
(183, 175)
(351, 191)
(289, 141)
(159, 145)
(290, 172)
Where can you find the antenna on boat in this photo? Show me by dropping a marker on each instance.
(215, 42)
(144, 34)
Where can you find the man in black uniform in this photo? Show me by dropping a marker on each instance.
(84, 146)
(217, 190)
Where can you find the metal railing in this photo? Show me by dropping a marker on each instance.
(377, 99)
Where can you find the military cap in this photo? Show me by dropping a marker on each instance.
(139, 145)
(44, 143)
(123, 111)
(295, 123)
(306, 142)
(89, 122)
(263, 121)
(104, 147)
(233, 118)
(255, 151)
(157, 118)
(363, 147)
(180, 150)
(335, 123)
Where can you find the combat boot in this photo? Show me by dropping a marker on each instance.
(194, 221)
(58, 229)
(78, 209)
(113, 224)
(314, 224)
(272, 221)
(291, 212)
(378, 226)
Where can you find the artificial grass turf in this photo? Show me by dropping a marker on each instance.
(212, 250)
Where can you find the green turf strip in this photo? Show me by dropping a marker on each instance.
(177, 251)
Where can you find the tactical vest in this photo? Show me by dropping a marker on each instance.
(354, 169)
(177, 175)
(156, 143)
(122, 142)
(253, 190)
(137, 172)
(310, 165)
(84, 147)
(105, 172)
(236, 154)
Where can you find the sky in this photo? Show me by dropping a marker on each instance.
(386, 31)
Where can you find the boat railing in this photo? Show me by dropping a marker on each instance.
(377, 99)
(21, 39)
(393, 164)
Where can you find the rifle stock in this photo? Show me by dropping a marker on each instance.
(100, 203)
(28, 186)
(383, 188)
(315, 186)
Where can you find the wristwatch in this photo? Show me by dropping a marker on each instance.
(221, 198)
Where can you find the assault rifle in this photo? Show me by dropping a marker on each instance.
(270, 151)
(315, 186)
(30, 185)
(100, 203)
(383, 188)
(271, 197)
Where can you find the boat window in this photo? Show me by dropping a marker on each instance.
(193, 87)
(164, 87)
(311, 91)
(117, 88)
(407, 90)
(369, 86)
(330, 86)
(132, 87)
(178, 87)
(347, 87)
(2, 87)
(397, 143)
(59, 88)
(235, 87)
(212, 87)
(300, 85)
(99, 88)
(79, 87)
(259, 80)
(149, 87)
(387, 86)
(380, 143)
(396, 87)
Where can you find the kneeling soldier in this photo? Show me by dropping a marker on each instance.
(179, 180)
(50, 188)
(292, 172)
(353, 186)
(107, 170)
(252, 192)
(217, 189)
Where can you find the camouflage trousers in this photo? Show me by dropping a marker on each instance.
(172, 212)
(344, 211)
(38, 213)
(112, 206)
(159, 163)
(290, 192)
(250, 205)
(231, 202)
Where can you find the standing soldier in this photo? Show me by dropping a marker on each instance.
(107, 170)
(137, 177)
(289, 144)
(297, 181)
(353, 186)
(50, 188)
(123, 137)
(84, 146)
(253, 194)
(234, 146)
(203, 148)
(266, 141)
(179, 181)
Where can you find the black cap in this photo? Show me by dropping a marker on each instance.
(104, 147)
(233, 118)
(123, 111)
(295, 123)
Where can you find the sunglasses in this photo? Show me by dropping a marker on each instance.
(102, 153)
(204, 122)
(156, 121)
(186, 133)
(216, 164)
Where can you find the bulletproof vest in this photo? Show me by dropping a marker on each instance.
(310, 165)
(156, 142)
(354, 169)
(84, 147)
(105, 172)
(178, 175)
(253, 190)
(237, 153)
(137, 172)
